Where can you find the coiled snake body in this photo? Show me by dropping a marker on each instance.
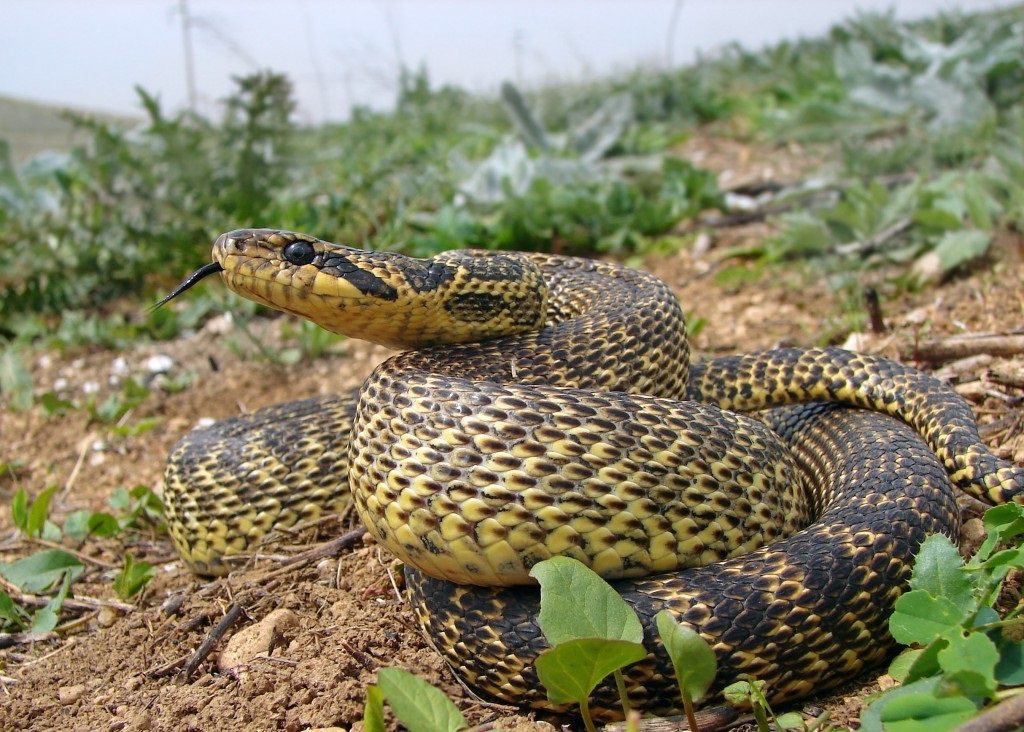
(549, 407)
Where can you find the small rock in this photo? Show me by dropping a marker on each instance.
(327, 729)
(256, 640)
(70, 694)
(204, 422)
(106, 617)
(857, 341)
(220, 325)
(133, 683)
(90, 387)
(60, 384)
(159, 363)
(119, 366)
(885, 681)
(972, 534)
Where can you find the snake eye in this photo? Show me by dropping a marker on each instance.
(299, 252)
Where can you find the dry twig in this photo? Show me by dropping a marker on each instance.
(232, 616)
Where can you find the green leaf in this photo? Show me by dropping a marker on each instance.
(975, 653)
(38, 512)
(1010, 669)
(53, 405)
(927, 663)
(576, 603)
(957, 247)
(921, 618)
(19, 509)
(939, 570)
(40, 571)
(901, 665)
(11, 613)
(132, 577)
(418, 705)
(80, 524)
(571, 670)
(692, 658)
(1002, 523)
(15, 380)
(45, 618)
(373, 711)
(790, 720)
(871, 718)
(937, 218)
(924, 712)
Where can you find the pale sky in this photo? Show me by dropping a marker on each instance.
(91, 53)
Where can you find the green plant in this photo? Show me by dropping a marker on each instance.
(134, 575)
(419, 706)
(594, 633)
(751, 693)
(965, 655)
(54, 570)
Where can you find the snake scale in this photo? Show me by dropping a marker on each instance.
(546, 405)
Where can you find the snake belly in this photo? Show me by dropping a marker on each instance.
(591, 435)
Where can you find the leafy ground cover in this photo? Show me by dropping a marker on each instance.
(771, 190)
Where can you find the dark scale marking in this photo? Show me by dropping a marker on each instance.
(369, 284)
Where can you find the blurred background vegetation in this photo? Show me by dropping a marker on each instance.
(923, 125)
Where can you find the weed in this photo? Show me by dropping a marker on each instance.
(964, 652)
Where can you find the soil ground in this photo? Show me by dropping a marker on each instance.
(114, 669)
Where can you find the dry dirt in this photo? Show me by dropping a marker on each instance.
(116, 668)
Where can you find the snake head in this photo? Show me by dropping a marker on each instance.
(384, 297)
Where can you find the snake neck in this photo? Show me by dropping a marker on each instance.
(387, 298)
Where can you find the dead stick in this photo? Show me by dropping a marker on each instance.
(165, 669)
(1004, 717)
(1006, 378)
(234, 613)
(954, 347)
(18, 639)
(321, 551)
(75, 604)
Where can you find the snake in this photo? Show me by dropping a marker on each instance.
(543, 405)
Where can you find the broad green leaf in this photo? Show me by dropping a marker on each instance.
(921, 618)
(974, 652)
(15, 380)
(19, 509)
(927, 662)
(924, 712)
(133, 577)
(571, 670)
(38, 512)
(45, 618)
(969, 683)
(576, 603)
(1001, 524)
(692, 658)
(80, 524)
(418, 705)
(790, 720)
(871, 718)
(901, 665)
(373, 711)
(11, 613)
(937, 218)
(1010, 669)
(40, 571)
(939, 570)
(54, 405)
(957, 247)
